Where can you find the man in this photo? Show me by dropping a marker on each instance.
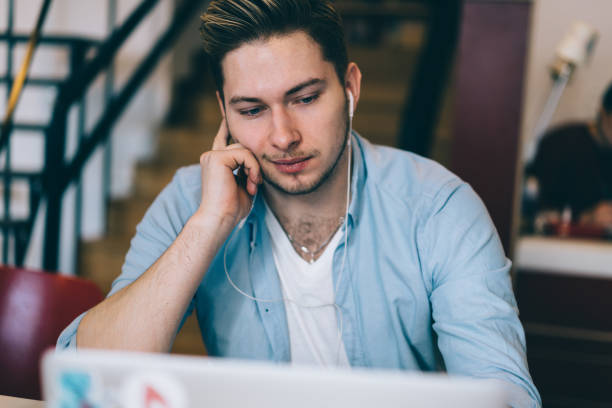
(573, 167)
(299, 240)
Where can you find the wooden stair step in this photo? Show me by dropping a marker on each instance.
(385, 64)
(180, 147)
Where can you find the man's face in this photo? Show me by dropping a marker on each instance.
(284, 103)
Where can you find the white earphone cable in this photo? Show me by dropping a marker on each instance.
(288, 300)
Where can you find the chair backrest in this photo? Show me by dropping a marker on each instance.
(34, 308)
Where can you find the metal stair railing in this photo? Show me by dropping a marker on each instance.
(58, 174)
(20, 229)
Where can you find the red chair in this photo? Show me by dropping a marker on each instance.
(34, 308)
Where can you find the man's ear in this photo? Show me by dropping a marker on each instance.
(221, 106)
(352, 82)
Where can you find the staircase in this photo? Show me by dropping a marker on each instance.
(386, 73)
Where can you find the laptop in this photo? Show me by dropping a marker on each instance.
(88, 378)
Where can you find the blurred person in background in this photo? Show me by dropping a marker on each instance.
(573, 166)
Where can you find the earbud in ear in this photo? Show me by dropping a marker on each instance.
(351, 103)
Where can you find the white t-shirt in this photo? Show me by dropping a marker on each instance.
(313, 332)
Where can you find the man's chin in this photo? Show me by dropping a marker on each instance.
(303, 182)
(293, 187)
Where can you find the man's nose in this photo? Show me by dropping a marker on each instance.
(285, 134)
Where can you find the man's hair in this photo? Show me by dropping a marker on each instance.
(228, 24)
(606, 100)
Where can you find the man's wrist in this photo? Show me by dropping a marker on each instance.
(215, 227)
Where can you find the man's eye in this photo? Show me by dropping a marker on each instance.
(308, 99)
(251, 112)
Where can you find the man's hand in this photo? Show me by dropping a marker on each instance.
(224, 199)
(600, 215)
(146, 314)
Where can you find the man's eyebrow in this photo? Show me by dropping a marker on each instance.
(310, 82)
(238, 99)
(294, 90)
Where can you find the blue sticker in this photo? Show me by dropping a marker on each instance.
(75, 389)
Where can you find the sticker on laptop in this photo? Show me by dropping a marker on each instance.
(78, 390)
(152, 390)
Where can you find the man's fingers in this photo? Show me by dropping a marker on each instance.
(220, 141)
(251, 187)
(245, 159)
(239, 157)
(234, 146)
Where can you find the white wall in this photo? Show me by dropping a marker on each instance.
(133, 136)
(551, 20)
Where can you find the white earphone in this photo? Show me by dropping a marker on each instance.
(351, 104)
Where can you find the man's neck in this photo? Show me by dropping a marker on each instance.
(311, 219)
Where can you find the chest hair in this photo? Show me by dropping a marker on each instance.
(310, 231)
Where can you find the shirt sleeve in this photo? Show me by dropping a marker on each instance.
(473, 306)
(158, 229)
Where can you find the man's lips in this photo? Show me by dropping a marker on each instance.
(290, 161)
(293, 165)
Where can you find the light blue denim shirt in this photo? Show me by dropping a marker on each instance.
(426, 285)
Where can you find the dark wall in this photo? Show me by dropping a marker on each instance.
(491, 63)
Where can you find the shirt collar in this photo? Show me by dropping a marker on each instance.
(358, 177)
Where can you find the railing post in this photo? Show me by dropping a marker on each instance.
(78, 56)
(54, 161)
(55, 150)
(109, 89)
(422, 106)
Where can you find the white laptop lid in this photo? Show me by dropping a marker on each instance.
(135, 380)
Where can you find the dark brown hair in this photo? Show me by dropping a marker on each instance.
(228, 24)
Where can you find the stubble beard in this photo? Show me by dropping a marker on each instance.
(316, 184)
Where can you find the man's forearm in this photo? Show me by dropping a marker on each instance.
(145, 315)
